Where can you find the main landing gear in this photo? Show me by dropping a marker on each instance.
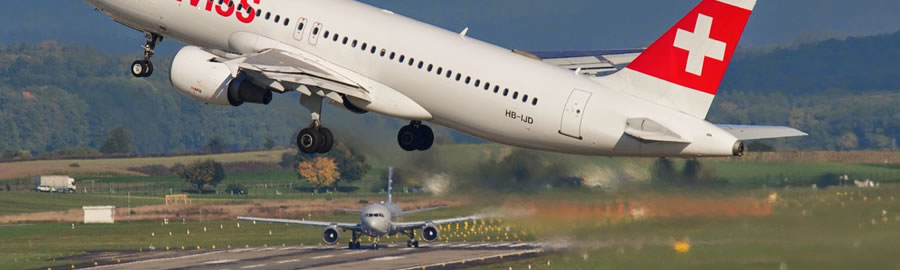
(144, 68)
(415, 137)
(412, 242)
(354, 243)
(314, 139)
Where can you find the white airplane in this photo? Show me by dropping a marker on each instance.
(368, 59)
(376, 220)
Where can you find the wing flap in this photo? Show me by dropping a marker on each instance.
(285, 71)
(746, 133)
(419, 224)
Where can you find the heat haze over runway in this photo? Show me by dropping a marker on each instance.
(333, 257)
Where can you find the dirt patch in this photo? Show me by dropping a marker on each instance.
(225, 211)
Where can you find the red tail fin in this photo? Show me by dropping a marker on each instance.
(696, 51)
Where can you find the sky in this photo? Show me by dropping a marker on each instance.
(523, 24)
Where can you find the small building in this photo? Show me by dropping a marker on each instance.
(99, 214)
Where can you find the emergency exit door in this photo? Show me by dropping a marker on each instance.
(574, 113)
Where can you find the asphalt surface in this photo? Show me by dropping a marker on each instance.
(436, 255)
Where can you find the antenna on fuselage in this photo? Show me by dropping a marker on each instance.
(390, 182)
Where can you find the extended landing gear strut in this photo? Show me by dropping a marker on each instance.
(412, 242)
(354, 242)
(144, 68)
(415, 136)
(315, 138)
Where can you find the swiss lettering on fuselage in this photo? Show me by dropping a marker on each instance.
(227, 8)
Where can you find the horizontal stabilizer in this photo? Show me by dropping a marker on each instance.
(745, 133)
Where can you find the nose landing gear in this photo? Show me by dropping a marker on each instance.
(415, 137)
(144, 68)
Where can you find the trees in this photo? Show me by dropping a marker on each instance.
(216, 145)
(320, 171)
(269, 144)
(201, 173)
(351, 164)
(118, 141)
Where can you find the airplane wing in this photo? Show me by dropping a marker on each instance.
(345, 226)
(587, 62)
(285, 71)
(420, 224)
(745, 133)
(422, 210)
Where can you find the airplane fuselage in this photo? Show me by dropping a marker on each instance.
(462, 83)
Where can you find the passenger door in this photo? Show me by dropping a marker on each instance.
(574, 113)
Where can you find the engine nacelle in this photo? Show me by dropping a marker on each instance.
(331, 236)
(430, 233)
(197, 74)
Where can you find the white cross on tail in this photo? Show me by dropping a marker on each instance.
(699, 45)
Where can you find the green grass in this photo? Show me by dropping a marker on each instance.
(759, 173)
(12, 203)
(825, 229)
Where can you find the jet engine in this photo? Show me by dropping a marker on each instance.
(331, 235)
(199, 75)
(430, 233)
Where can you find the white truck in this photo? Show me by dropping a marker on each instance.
(54, 183)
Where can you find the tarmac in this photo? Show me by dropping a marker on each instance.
(428, 256)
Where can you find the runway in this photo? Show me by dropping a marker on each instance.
(437, 255)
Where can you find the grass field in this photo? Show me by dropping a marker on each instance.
(826, 229)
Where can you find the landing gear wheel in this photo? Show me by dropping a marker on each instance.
(424, 138)
(327, 141)
(141, 68)
(416, 244)
(407, 138)
(375, 246)
(309, 140)
(350, 245)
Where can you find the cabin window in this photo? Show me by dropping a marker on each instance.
(268, 15)
(468, 80)
(458, 77)
(277, 18)
(505, 92)
(534, 102)
(354, 44)
(346, 39)
(496, 89)
(383, 52)
(336, 37)
(524, 98)
(412, 61)
(421, 64)
(393, 54)
(516, 95)
(326, 34)
(374, 49)
(477, 83)
(287, 21)
(402, 57)
(430, 67)
(449, 74)
(487, 86)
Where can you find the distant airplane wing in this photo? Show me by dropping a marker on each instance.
(745, 133)
(587, 62)
(420, 224)
(422, 210)
(345, 226)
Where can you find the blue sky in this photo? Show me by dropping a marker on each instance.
(525, 24)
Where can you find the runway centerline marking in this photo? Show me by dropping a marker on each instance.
(220, 261)
(388, 258)
(253, 266)
(322, 257)
(355, 252)
(288, 261)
